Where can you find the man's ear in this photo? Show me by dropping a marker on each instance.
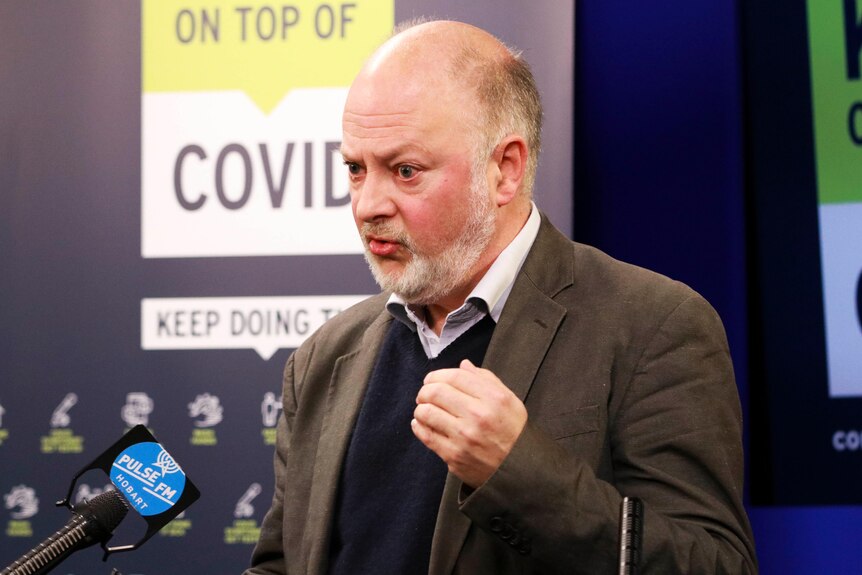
(510, 158)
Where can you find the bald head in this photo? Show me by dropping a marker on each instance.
(493, 86)
(441, 43)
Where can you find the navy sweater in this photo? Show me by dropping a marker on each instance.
(391, 484)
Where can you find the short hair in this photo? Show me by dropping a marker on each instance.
(508, 98)
(509, 102)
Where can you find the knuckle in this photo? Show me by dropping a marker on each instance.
(501, 396)
(482, 418)
(472, 434)
(456, 457)
(431, 392)
(422, 412)
(427, 437)
(424, 392)
(424, 435)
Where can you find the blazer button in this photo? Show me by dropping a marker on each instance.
(508, 532)
(496, 524)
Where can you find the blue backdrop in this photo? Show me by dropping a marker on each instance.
(660, 159)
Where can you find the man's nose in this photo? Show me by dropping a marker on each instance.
(373, 200)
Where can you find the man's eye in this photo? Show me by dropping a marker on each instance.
(406, 172)
(354, 168)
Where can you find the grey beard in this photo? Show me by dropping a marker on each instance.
(427, 279)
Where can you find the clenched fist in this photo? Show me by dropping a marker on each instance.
(469, 418)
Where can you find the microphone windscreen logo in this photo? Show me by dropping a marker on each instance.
(148, 477)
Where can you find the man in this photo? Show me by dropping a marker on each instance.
(397, 454)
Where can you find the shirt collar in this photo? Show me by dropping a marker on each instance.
(490, 294)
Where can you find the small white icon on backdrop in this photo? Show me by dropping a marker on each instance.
(244, 509)
(60, 417)
(270, 408)
(24, 498)
(137, 409)
(209, 408)
(2, 411)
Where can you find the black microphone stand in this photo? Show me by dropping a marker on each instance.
(631, 535)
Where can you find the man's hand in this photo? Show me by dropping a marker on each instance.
(469, 418)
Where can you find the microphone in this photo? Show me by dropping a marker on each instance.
(631, 535)
(93, 522)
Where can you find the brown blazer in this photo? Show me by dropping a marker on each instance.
(629, 387)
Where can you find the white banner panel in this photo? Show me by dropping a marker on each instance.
(264, 324)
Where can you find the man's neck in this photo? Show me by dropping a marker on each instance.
(437, 312)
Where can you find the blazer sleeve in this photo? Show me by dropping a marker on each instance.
(674, 429)
(268, 555)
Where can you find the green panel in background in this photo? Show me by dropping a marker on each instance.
(834, 94)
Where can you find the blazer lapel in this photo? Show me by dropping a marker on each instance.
(346, 391)
(531, 317)
(523, 336)
(527, 327)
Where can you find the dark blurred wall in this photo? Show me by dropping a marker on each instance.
(659, 164)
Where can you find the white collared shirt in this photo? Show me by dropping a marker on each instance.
(488, 297)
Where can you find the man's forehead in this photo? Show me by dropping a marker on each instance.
(371, 124)
(377, 104)
(395, 130)
(383, 150)
(398, 83)
(395, 124)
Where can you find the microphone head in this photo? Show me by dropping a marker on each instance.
(106, 510)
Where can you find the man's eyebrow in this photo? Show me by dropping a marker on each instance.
(346, 153)
(388, 154)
